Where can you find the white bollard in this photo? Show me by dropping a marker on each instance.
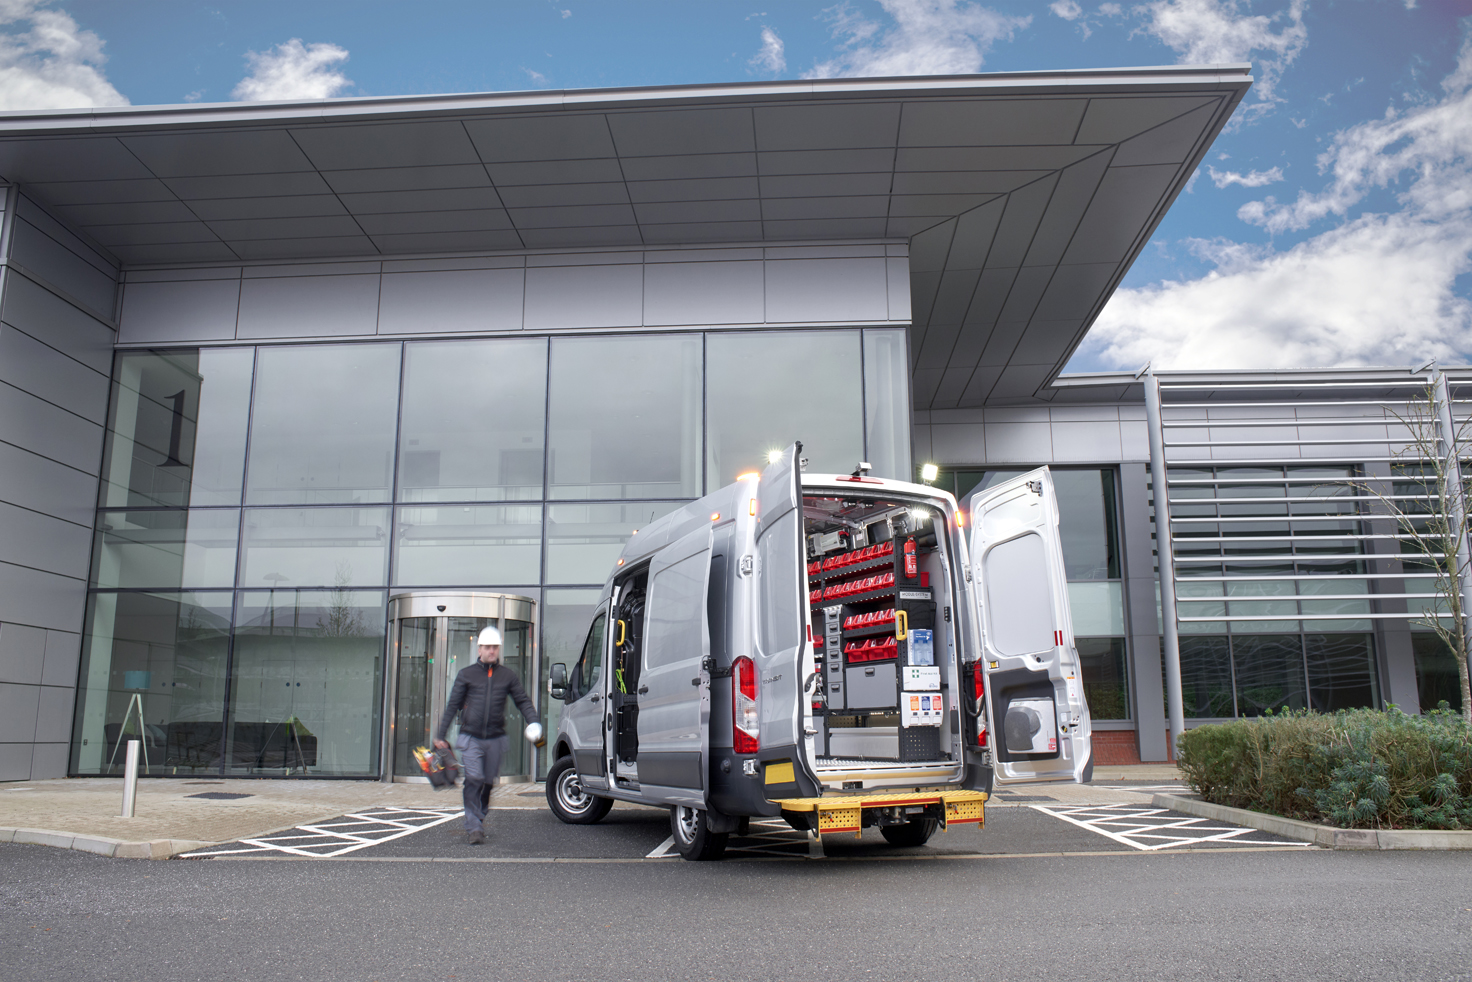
(130, 779)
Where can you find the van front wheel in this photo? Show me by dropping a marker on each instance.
(915, 832)
(568, 800)
(693, 838)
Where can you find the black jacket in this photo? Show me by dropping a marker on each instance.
(479, 696)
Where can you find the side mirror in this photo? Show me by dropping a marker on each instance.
(557, 681)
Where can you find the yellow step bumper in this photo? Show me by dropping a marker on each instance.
(844, 813)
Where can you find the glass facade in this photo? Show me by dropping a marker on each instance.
(1088, 522)
(259, 506)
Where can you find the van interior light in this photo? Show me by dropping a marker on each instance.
(929, 472)
(919, 514)
(773, 456)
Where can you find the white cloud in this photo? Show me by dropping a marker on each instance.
(1110, 9)
(537, 77)
(53, 65)
(1204, 32)
(293, 71)
(566, 14)
(1252, 179)
(928, 37)
(1375, 289)
(1067, 9)
(770, 57)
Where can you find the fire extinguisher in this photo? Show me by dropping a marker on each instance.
(911, 564)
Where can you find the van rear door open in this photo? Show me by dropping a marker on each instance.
(1034, 690)
(780, 590)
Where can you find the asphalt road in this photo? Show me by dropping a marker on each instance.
(993, 904)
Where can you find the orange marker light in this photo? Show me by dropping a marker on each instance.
(751, 508)
(748, 476)
(715, 516)
(620, 562)
(960, 518)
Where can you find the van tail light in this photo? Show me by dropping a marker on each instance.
(745, 729)
(978, 692)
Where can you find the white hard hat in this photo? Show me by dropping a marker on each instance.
(489, 636)
(534, 734)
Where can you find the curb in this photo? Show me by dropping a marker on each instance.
(100, 846)
(1320, 835)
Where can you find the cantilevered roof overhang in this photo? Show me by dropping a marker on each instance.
(1024, 196)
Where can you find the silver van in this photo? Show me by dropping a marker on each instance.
(839, 650)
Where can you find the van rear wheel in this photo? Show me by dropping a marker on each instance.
(693, 838)
(915, 832)
(568, 800)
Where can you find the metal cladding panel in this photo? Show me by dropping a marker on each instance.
(255, 151)
(404, 144)
(127, 212)
(1091, 442)
(690, 212)
(404, 223)
(560, 171)
(33, 596)
(247, 185)
(406, 178)
(42, 542)
(1111, 119)
(808, 162)
(54, 713)
(473, 241)
(687, 131)
(67, 328)
(161, 233)
(49, 760)
(49, 431)
(63, 654)
(826, 290)
(1042, 339)
(704, 293)
(560, 137)
(18, 706)
(556, 195)
(585, 296)
(834, 127)
(996, 122)
(50, 259)
(1168, 143)
(23, 654)
(63, 193)
(935, 350)
(285, 206)
(308, 306)
(701, 233)
(694, 189)
(43, 371)
(451, 300)
(42, 485)
(69, 159)
(431, 199)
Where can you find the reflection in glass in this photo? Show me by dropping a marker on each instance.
(1086, 520)
(473, 419)
(566, 615)
(467, 545)
(412, 693)
(516, 653)
(1096, 608)
(583, 541)
(763, 391)
(1437, 680)
(1105, 684)
(1341, 671)
(625, 417)
(1269, 673)
(153, 669)
(1206, 677)
(322, 426)
(164, 550)
(304, 690)
(315, 547)
(176, 428)
(887, 403)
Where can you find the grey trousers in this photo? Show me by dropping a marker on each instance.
(481, 760)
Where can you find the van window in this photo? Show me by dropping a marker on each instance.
(1019, 597)
(585, 673)
(781, 619)
(675, 597)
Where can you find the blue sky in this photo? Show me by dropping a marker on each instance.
(1331, 224)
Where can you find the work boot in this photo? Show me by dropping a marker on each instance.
(477, 838)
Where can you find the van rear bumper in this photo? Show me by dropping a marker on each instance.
(734, 792)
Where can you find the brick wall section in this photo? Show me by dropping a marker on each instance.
(1115, 747)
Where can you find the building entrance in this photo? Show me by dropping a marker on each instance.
(431, 637)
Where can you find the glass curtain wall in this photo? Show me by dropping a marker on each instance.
(1261, 542)
(259, 505)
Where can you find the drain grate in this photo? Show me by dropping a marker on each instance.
(219, 795)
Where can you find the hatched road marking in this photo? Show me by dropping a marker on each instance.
(352, 832)
(1152, 829)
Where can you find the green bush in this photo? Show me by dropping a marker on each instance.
(1359, 768)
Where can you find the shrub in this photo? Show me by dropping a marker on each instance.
(1359, 768)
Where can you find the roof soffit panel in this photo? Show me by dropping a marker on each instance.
(227, 209)
(1168, 143)
(985, 122)
(438, 199)
(64, 193)
(534, 196)
(247, 185)
(257, 151)
(561, 137)
(974, 233)
(685, 166)
(407, 178)
(1020, 217)
(422, 144)
(701, 189)
(859, 161)
(965, 182)
(1111, 119)
(838, 126)
(683, 131)
(824, 185)
(928, 249)
(137, 212)
(1127, 197)
(908, 159)
(68, 159)
(1075, 189)
(591, 171)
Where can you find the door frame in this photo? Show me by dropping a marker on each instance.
(443, 605)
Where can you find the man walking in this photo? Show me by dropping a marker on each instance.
(479, 695)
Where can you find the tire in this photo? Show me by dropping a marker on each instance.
(913, 833)
(693, 838)
(568, 800)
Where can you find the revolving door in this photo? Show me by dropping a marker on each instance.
(431, 637)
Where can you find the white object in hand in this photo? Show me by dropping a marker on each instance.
(534, 733)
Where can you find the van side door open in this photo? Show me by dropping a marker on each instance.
(586, 707)
(673, 714)
(1040, 727)
(781, 650)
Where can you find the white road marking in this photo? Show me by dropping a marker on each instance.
(352, 832)
(1153, 829)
